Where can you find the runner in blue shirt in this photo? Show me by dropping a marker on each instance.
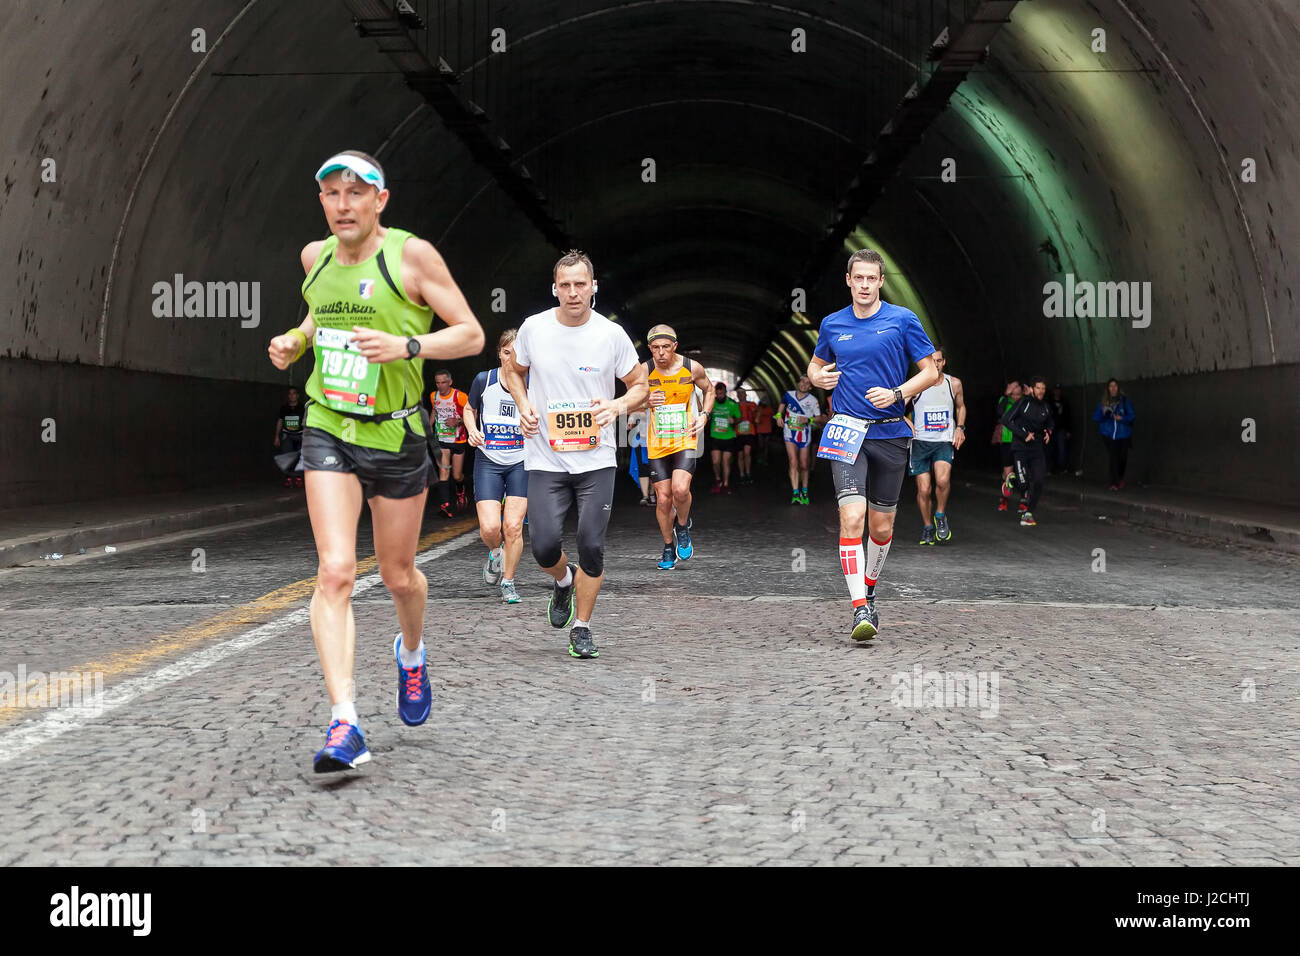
(864, 352)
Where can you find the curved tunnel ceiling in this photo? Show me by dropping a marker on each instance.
(1067, 161)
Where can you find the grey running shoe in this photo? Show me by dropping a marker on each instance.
(866, 622)
(508, 593)
(561, 608)
(927, 536)
(942, 533)
(580, 643)
(492, 569)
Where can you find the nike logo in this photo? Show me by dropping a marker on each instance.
(881, 331)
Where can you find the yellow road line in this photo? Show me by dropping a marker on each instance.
(123, 663)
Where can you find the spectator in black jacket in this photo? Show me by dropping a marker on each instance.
(1030, 422)
(1059, 452)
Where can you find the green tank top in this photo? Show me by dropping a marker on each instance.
(368, 294)
(720, 425)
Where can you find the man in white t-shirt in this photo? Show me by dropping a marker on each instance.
(570, 357)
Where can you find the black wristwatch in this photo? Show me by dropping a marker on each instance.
(412, 347)
(898, 394)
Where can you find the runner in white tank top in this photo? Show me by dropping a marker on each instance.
(939, 421)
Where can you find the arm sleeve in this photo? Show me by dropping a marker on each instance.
(919, 345)
(625, 358)
(1129, 413)
(461, 400)
(1096, 415)
(823, 350)
(475, 400)
(1011, 419)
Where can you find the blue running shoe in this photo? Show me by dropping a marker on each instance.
(669, 559)
(683, 534)
(344, 748)
(414, 696)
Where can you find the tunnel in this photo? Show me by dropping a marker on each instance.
(717, 159)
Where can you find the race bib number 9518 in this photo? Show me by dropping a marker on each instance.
(571, 425)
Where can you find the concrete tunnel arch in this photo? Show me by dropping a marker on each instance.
(1115, 166)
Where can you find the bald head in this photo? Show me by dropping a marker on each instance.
(663, 346)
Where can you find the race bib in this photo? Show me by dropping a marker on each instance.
(571, 425)
(348, 381)
(936, 420)
(744, 427)
(842, 438)
(501, 434)
(670, 423)
(447, 426)
(721, 421)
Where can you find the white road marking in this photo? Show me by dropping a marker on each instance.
(56, 722)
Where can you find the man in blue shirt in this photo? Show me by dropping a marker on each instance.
(864, 352)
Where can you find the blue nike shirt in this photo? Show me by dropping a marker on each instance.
(871, 353)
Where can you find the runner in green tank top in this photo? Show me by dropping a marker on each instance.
(722, 435)
(372, 293)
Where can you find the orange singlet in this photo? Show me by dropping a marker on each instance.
(670, 422)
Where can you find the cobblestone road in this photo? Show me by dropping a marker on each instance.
(1020, 705)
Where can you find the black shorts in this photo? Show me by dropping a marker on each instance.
(661, 469)
(456, 448)
(386, 474)
(1005, 449)
(876, 475)
(722, 444)
(744, 441)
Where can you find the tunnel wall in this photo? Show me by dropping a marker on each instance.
(206, 175)
(120, 432)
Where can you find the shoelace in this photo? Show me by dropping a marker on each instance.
(414, 681)
(339, 731)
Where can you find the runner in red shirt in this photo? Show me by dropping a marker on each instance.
(763, 427)
(745, 432)
(450, 440)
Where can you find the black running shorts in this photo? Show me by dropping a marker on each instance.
(875, 476)
(661, 469)
(384, 474)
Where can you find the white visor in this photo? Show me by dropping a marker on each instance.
(364, 170)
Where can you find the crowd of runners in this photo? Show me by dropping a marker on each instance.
(543, 426)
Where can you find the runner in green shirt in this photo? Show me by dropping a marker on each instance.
(722, 432)
(371, 293)
(1002, 434)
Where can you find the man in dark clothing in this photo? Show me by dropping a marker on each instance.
(288, 433)
(1030, 422)
(1059, 453)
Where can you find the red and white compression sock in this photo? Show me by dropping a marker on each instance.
(876, 552)
(852, 562)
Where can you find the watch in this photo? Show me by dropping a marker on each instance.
(412, 347)
(898, 394)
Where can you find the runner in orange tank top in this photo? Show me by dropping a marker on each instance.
(676, 421)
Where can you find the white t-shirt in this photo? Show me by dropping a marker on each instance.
(568, 367)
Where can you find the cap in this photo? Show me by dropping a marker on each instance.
(365, 170)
